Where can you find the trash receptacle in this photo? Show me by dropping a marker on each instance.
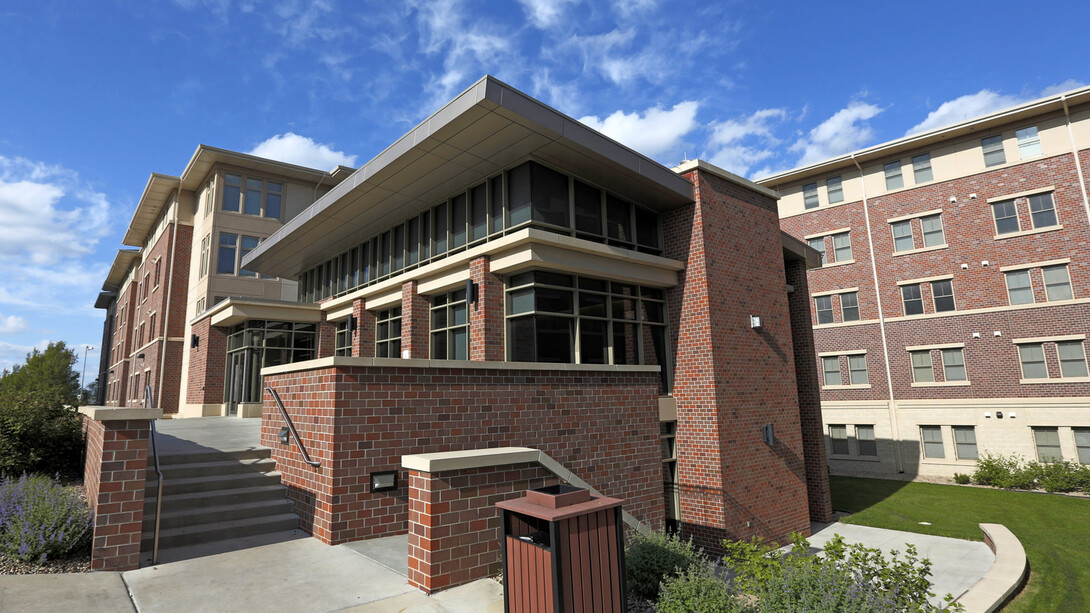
(563, 552)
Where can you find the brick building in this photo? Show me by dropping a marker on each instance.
(501, 276)
(951, 310)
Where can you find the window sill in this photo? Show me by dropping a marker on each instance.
(854, 458)
(1029, 232)
(920, 250)
(846, 387)
(940, 383)
(1055, 380)
(842, 324)
(834, 264)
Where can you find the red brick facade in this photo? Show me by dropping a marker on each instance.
(414, 323)
(486, 316)
(207, 364)
(114, 479)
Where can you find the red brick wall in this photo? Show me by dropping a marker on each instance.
(454, 525)
(207, 364)
(731, 379)
(414, 322)
(603, 426)
(486, 317)
(363, 339)
(114, 478)
(327, 339)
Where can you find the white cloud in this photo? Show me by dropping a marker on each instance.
(965, 107)
(12, 354)
(1060, 88)
(545, 13)
(12, 324)
(846, 130)
(657, 131)
(744, 142)
(629, 8)
(295, 149)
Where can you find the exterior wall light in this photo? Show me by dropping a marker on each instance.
(471, 292)
(768, 436)
(755, 322)
(384, 481)
(194, 341)
(284, 436)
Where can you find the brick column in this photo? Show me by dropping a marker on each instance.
(414, 322)
(114, 476)
(207, 364)
(363, 339)
(327, 339)
(486, 317)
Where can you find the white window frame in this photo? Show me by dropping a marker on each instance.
(923, 369)
(935, 296)
(1049, 286)
(838, 249)
(871, 442)
(941, 232)
(1078, 363)
(810, 199)
(834, 431)
(893, 174)
(921, 169)
(960, 352)
(835, 194)
(1037, 446)
(958, 444)
(1029, 142)
(991, 148)
(924, 442)
(844, 309)
(1014, 274)
(902, 226)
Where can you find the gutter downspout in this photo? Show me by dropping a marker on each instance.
(166, 311)
(894, 425)
(1075, 154)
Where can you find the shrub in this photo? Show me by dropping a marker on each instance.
(962, 479)
(1005, 472)
(40, 519)
(698, 590)
(38, 433)
(1062, 476)
(651, 558)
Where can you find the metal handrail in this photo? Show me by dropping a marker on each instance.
(159, 478)
(291, 428)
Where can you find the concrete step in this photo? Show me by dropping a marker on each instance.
(242, 510)
(187, 536)
(211, 456)
(207, 469)
(212, 483)
(203, 500)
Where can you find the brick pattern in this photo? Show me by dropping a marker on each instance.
(486, 317)
(414, 322)
(454, 525)
(603, 426)
(114, 479)
(363, 339)
(327, 339)
(207, 364)
(731, 379)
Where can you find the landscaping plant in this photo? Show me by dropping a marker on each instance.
(40, 519)
(652, 558)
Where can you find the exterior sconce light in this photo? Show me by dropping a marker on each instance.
(999, 414)
(471, 292)
(755, 322)
(140, 357)
(194, 341)
(352, 323)
(284, 436)
(384, 481)
(767, 435)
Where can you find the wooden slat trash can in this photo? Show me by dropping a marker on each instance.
(563, 552)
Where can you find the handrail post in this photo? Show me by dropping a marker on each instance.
(291, 428)
(159, 480)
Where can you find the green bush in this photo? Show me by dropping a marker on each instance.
(698, 590)
(1062, 476)
(40, 519)
(652, 558)
(38, 433)
(1010, 472)
(962, 479)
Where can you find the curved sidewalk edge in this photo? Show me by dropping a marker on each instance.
(1006, 576)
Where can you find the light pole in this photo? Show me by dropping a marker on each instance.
(83, 377)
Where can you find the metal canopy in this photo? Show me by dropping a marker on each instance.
(488, 127)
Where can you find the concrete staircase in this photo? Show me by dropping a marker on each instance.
(211, 498)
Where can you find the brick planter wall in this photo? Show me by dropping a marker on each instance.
(454, 525)
(358, 419)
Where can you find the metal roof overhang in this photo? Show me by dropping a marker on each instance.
(105, 299)
(205, 157)
(151, 203)
(122, 261)
(487, 128)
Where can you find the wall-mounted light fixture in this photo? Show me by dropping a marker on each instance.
(755, 322)
(284, 436)
(768, 436)
(384, 481)
(352, 323)
(140, 357)
(999, 414)
(194, 341)
(471, 293)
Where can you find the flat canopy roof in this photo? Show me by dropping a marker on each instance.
(487, 128)
(120, 267)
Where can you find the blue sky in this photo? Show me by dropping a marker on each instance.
(98, 94)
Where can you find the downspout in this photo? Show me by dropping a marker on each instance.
(1075, 154)
(894, 425)
(166, 311)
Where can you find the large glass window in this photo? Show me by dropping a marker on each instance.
(932, 442)
(450, 326)
(965, 442)
(225, 258)
(560, 318)
(1048, 444)
(258, 344)
(342, 345)
(252, 195)
(249, 243)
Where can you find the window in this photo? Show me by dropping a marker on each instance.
(1042, 210)
(824, 307)
(857, 369)
(566, 319)
(388, 333)
(932, 231)
(835, 189)
(152, 331)
(225, 259)
(200, 305)
(206, 247)
(1072, 359)
(993, 150)
(913, 301)
(342, 345)
(864, 440)
(902, 236)
(259, 197)
(232, 192)
(942, 292)
(671, 491)
(849, 306)
(1032, 357)
(158, 271)
(810, 196)
(818, 244)
(1019, 288)
(830, 367)
(1048, 444)
(965, 442)
(894, 180)
(1006, 217)
(248, 245)
(450, 326)
(922, 371)
(953, 365)
(1082, 444)
(842, 247)
(921, 168)
(932, 442)
(1057, 283)
(145, 286)
(838, 440)
(1029, 142)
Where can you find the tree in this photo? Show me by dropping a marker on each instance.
(51, 372)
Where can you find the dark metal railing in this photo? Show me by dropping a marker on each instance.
(158, 477)
(291, 428)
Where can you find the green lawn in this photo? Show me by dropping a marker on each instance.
(1055, 530)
